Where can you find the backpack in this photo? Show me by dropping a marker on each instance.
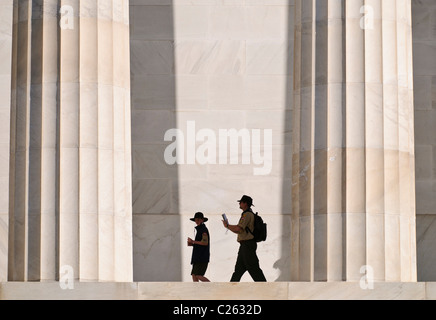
(260, 229)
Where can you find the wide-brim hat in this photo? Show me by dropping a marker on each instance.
(248, 200)
(199, 215)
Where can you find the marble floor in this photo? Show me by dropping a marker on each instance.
(217, 291)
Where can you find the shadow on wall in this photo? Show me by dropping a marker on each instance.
(424, 69)
(156, 223)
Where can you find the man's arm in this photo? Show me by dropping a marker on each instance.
(234, 228)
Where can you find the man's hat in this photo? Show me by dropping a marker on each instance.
(248, 200)
(199, 215)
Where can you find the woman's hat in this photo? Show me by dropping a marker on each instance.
(199, 215)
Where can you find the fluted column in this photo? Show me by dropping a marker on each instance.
(6, 12)
(353, 148)
(70, 165)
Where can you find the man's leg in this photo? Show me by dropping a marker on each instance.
(252, 262)
(203, 279)
(239, 267)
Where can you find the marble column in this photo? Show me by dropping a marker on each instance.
(70, 176)
(6, 10)
(353, 144)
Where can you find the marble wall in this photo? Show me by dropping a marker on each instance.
(156, 224)
(206, 67)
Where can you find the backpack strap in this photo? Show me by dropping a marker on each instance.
(254, 216)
